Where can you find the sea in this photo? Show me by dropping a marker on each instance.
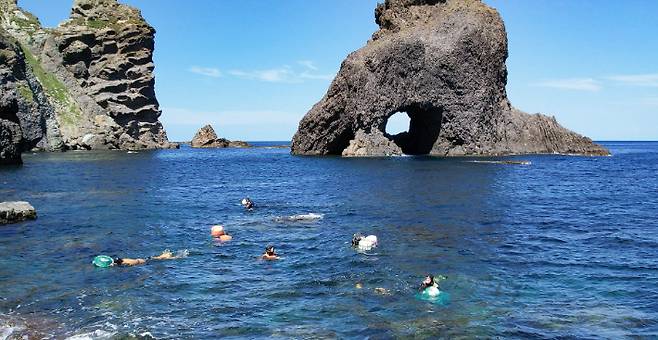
(544, 247)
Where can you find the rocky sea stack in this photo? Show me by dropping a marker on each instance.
(207, 138)
(443, 63)
(86, 84)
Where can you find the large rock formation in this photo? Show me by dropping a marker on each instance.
(88, 83)
(443, 63)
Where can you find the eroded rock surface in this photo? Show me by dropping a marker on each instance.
(10, 130)
(88, 83)
(207, 138)
(443, 63)
(371, 145)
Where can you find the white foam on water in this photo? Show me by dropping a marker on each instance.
(180, 254)
(300, 218)
(7, 331)
(98, 334)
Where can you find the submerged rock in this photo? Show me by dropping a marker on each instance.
(238, 144)
(88, 83)
(13, 212)
(443, 63)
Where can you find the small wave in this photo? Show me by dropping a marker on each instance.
(503, 162)
(181, 254)
(299, 218)
(97, 334)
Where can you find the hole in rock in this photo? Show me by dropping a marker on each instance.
(398, 123)
(424, 125)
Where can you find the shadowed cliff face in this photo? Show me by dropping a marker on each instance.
(92, 75)
(443, 63)
(10, 131)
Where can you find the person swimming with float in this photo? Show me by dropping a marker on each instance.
(364, 242)
(429, 286)
(247, 203)
(270, 254)
(218, 232)
(104, 261)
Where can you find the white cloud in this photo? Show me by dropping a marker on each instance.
(307, 75)
(649, 79)
(308, 64)
(284, 74)
(206, 71)
(574, 84)
(275, 75)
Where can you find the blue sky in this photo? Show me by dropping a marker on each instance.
(253, 68)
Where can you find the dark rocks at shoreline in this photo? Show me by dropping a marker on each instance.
(442, 62)
(207, 138)
(14, 212)
(87, 84)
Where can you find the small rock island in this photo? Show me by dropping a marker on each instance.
(442, 62)
(207, 138)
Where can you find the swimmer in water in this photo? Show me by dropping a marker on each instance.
(247, 203)
(166, 255)
(220, 233)
(364, 242)
(429, 285)
(270, 254)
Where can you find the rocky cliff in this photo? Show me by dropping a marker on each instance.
(10, 130)
(88, 83)
(443, 63)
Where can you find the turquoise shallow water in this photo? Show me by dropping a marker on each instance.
(565, 247)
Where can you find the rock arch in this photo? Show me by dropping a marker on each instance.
(443, 62)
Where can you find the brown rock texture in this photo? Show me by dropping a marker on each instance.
(443, 63)
(207, 138)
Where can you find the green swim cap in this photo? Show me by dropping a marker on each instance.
(102, 261)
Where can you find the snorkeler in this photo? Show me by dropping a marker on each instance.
(218, 232)
(247, 203)
(364, 242)
(429, 286)
(106, 261)
(270, 254)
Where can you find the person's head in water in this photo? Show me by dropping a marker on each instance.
(356, 238)
(428, 282)
(247, 203)
(269, 250)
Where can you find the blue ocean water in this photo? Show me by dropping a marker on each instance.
(564, 247)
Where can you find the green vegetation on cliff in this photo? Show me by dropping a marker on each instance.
(69, 112)
(26, 93)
